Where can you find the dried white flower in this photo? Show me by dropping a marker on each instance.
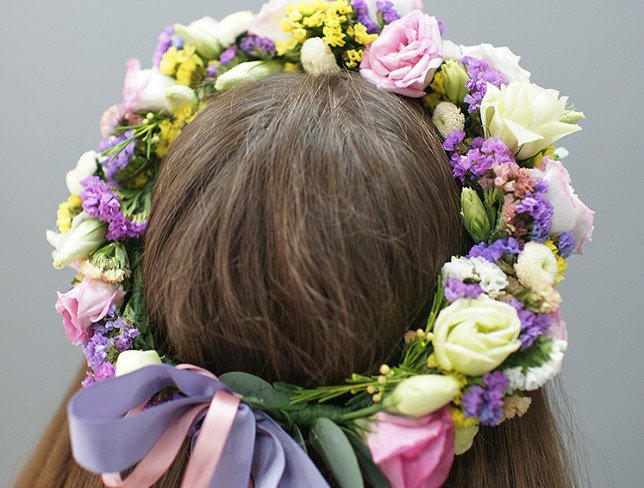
(448, 118)
(317, 57)
(534, 378)
(536, 266)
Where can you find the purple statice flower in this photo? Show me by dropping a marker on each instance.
(483, 154)
(441, 26)
(453, 141)
(102, 202)
(228, 55)
(361, 10)
(124, 340)
(495, 251)
(567, 244)
(212, 70)
(540, 209)
(387, 10)
(89, 379)
(258, 47)
(116, 162)
(533, 325)
(163, 44)
(106, 370)
(480, 75)
(486, 402)
(455, 289)
(97, 347)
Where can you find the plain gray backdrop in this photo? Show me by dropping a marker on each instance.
(62, 64)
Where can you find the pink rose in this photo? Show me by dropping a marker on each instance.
(570, 213)
(144, 89)
(405, 56)
(414, 453)
(85, 304)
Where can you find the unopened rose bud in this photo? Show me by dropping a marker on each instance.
(86, 235)
(249, 71)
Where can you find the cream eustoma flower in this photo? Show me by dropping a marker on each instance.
(526, 117)
(474, 336)
(499, 58)
(130, 361)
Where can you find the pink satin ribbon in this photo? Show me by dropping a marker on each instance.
(207, 450)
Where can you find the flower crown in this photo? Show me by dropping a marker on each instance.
(494, 331)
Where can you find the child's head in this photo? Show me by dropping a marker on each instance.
(297, 230)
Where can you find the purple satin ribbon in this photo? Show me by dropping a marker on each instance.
(105, 439)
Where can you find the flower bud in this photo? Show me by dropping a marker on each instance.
(130, 361)
(109, 264)
(180, 96)
(317, 57)
(572, 116)
(454, 79)
(249, 71)
(421, 395)
(475, 216)
(202, 35)
(86, 235)
(86, 166)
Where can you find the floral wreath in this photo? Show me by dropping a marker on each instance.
(494, 331)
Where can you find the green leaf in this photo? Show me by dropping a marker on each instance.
(248, 385)
(370, 470)
(334, 448)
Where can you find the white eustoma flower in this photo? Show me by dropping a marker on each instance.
(201, 34)
(317, 57)
(526, 117)
(143, 89)
(451, 50)
(536, 266)
(448, 118)
(180, 96)
(86, 166)
(534, 378)
(499, 58)
(130, 361)
(232, 26)
(268, 22)
(248, 71)
(86, 235)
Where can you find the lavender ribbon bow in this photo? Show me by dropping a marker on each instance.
(104, 440)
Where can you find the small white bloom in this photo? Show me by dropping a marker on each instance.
(499, 58)
(536, 266)
(86, 166)
(491, 278)
(448, 118)
(317, 57)
(232, 26)
(534, 378)
(526, 117)
(130, 361)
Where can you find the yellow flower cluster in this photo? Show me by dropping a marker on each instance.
(170, 129)
(184, 64)
(66, 213)
(460, 420)
(562, 264)
(329, 17)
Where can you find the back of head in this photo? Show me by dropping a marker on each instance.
(297, 230)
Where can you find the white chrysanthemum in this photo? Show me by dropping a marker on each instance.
(536, 266)
(317, 57)
(534, 378)
(492, 278)
(448, 118)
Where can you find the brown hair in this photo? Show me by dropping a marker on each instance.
(297, 230)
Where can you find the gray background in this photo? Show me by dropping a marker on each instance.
(62, 64)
